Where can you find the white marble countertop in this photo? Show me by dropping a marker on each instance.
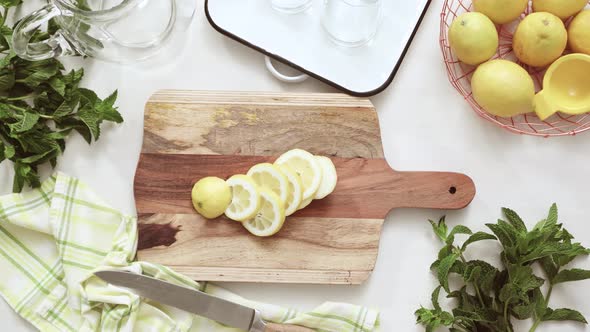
(425, 125)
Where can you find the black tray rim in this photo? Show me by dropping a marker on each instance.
(314, 75)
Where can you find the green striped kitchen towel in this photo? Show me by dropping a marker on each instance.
(53, 238)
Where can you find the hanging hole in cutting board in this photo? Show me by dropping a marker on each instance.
(453, 190)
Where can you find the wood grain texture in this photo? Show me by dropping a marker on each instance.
(190, 134)
(260, 124)
(223, 250)
(366, 188)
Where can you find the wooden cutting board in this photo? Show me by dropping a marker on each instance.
(192, 134)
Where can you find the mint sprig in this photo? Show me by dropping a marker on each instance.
(490, 298)
(40, 105)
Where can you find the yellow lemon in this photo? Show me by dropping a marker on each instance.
(245, 200)
(560, 8)
(308, 168)
(270, 217)
(501, 11)
(503, 88)
(211, 196)
(473, 38)
(539, 39)
(579, 33)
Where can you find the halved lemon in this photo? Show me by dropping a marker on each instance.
(271, 216)
(308, 168)
(329, 177)
(245, 202)
(295, 192)
(270, 176)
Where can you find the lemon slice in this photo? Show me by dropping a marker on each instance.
(305, 203)
(271, 216)
(245, 201)
(308, 168)
(329, 177)
(270, 176)
(295, 192)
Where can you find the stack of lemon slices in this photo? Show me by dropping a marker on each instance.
(268, 193)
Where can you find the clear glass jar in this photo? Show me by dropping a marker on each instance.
(351, 23)
(291, 6)
(112, 30)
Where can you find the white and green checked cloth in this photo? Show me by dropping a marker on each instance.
(52, 240)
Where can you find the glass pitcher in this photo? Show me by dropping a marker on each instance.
(112, 30)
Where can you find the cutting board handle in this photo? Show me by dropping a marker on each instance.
(271, 327)
(434, 190)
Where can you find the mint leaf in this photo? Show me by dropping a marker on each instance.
(73, 78)
(479, 236)
(41, 75)
(571, 275)
(515, 220)
(548, 266)
(44, 156)
(7, 79)
(5, 61)
(10, 3)
(91, 119)
(58, 85)
(27, 121)
(545, 250)
(569, 253)
(40, 105)
(504, 232)
(24, 174)
(440, 229)
(9, 151)
(107, 110)
(479, 315)
(481, 274)
(433, 319)
(524, 311)
(443, 270)
(459, 229)
(563, 314)
(489, 298)
(552, 217)
(434, 298)
(65, 108)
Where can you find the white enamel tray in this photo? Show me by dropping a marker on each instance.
(300, 41)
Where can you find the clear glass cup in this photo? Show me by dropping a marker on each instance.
(291, 6)
(112, 30)
(351, 23)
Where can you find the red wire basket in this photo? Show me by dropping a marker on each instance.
(460, 77)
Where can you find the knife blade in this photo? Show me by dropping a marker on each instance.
(187, 299)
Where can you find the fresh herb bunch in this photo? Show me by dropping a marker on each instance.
(490, 297)
(40, 105)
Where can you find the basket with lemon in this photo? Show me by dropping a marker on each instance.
(513, 60)
(268, 193)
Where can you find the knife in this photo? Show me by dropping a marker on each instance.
(196, 302)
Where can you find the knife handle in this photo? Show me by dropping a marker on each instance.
(271, 327)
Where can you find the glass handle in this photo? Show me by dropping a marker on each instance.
(56, 45)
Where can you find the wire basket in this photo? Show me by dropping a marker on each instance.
(460, 77)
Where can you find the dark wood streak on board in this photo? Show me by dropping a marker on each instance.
(155, 235)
